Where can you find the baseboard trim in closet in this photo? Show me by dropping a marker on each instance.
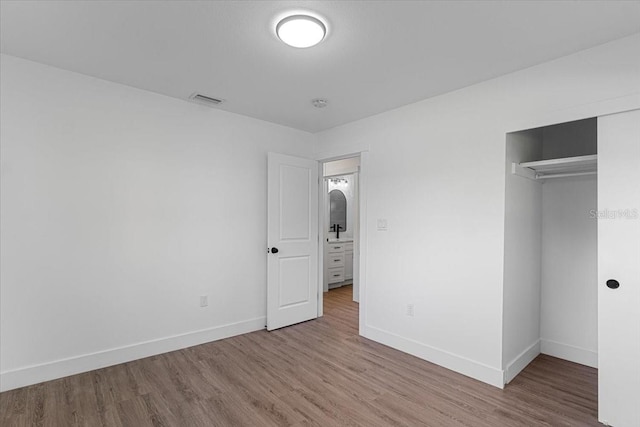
(88, 362)
(570, 353)
(521, 361)
(454, 362)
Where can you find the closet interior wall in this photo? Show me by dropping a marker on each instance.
(550, 277)
(569, 288)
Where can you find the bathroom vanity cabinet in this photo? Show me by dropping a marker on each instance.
(339, 263)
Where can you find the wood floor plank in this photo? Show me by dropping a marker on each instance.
(317, 373)
(138, 412)
(13, 404)
(56, 398)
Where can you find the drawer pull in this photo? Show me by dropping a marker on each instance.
(336, 275)
(336, 260)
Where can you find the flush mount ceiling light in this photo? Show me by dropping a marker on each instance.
(319, 102)
(301, 31)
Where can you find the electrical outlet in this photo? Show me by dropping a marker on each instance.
(204, 300)
(410, 310)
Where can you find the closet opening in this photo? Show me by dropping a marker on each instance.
(340, 219)
(550, 265)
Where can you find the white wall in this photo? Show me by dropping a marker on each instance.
(569, 316)
(569, 321)
(522, 256)
(435, 171)
(120, 208)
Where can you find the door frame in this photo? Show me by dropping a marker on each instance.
(360, 235)
(356, 225)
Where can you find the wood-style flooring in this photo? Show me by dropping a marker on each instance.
(318, 373)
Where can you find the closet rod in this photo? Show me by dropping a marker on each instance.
(564, 175)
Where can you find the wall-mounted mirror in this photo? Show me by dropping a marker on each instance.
(337, 210)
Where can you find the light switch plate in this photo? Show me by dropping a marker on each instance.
(204, 300)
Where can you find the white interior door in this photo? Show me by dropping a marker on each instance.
(292, 263)
(619, 264)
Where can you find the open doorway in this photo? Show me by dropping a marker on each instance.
(340, 224)
(551, 278)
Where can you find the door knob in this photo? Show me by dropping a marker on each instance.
(613, 284)
(274, 250)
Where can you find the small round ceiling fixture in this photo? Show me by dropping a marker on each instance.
(319, 102)
(301, 31)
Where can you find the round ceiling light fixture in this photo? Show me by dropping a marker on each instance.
(301, 31)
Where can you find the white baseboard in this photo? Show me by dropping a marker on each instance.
(521, 361)
(460, 364)
(570, 353)
(74, 365)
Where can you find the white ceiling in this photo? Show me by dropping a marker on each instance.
(378, 55)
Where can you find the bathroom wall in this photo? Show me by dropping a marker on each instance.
(348, 189)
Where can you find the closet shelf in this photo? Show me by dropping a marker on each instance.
(557, 168)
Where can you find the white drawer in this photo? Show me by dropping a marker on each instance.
(336, 275)
(335, 247)
(348, 246)
(335, 260)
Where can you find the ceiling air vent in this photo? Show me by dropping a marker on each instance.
(207, 100)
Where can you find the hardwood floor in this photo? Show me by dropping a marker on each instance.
(318, 373)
